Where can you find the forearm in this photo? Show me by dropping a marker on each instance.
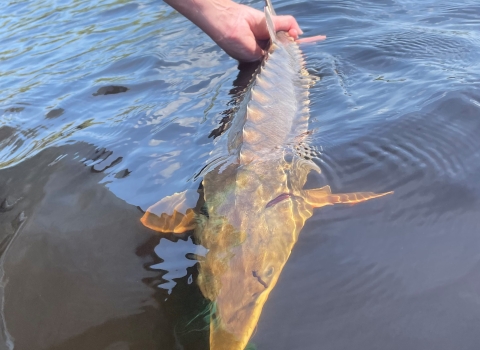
(240, 30)
(214, 17)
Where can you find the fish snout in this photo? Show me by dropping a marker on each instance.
(222, 339)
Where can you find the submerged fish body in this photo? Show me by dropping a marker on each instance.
(249, 234)
(252, 206)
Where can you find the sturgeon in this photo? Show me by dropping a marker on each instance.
(252, 206)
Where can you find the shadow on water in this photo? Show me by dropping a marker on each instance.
(85, 289)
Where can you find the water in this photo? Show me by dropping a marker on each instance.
(106, 107)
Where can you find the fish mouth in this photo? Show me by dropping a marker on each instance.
(221, 339)
(235, 332)
(240, 311)
(232, 332)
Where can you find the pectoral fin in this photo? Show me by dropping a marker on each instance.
(323, 196)
(173, 213)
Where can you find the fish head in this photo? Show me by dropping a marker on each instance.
(239, 294)
(248, 248)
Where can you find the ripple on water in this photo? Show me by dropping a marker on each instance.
(427, 44)
(6, 133)
(54, 113)
(416, 157)
(362, 285)
(465, 12)
(110, 90)
(413, 47)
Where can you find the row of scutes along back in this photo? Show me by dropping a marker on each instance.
(277, 111)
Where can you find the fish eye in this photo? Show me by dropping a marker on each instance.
(269, 271)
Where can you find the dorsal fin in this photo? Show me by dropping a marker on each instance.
(269, 13)
(268, 3)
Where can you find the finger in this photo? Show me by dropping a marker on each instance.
(246, 51)
(311, 39)
(257, 54)
(252, 50)
(286, 23)
(293, 33)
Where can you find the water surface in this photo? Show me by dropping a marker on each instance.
(107, 107)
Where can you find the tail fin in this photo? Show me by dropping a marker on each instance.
(269, 13)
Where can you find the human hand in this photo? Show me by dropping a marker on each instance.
(244, 35)
(241, 31)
